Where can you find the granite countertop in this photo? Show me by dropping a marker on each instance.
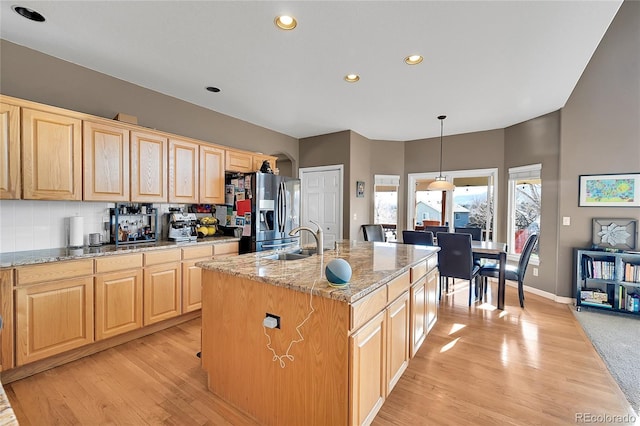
(32, 257)
(373, 265)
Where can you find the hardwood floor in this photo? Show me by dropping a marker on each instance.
(478, 366)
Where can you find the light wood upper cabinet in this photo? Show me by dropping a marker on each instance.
(183, 171)
(51, 156)
(211, 175)
(258, 160)
(238, 161)
(9, 151)
(148, 167)
(106, 162)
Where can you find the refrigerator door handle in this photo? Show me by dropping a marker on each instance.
(281, 205)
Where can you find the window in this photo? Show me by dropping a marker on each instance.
(386, 203)
(525, 196)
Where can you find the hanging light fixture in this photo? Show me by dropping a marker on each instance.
(441, 184)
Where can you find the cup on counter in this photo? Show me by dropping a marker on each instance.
(95, 239)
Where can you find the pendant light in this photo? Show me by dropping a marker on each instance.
(440, 184)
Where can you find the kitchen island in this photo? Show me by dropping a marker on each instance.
(336, 353)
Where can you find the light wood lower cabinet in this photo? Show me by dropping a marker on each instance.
(52, 318)
(397, 340)
(367, 378)
(6, 310)
(432, 299)
(192, 285)
(418, 314)
(162, 290)
(118, 303)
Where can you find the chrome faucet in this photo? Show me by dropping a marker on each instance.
(316, 234)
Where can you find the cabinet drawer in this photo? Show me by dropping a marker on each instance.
(162, 256)
(197, 252)
(397, 286)
(118, 263)
(225, 248)
(418, 271)
(366, 308)
(54, 271)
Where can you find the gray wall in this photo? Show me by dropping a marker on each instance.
(360, 208)
(531, 142)
(479, 150)
(28, 74)
(387, 158)
(600, 133)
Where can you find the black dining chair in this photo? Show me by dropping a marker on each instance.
(373, 232)
(424, 238)
(455, 260)
(436, 229)
(476, 233)
(512, 273)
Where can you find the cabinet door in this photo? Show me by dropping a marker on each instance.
(6, 310)
(238, 161)
(118, 303)
(432, 299)
(367, 366)
(183, 171)
(148, 167)
(191, 285)
(9, 151)
(418, 325)
(397, 340)
(106, 162)
(211, 175)
(162, 288)
(51, 156)
(258, 159)
(53, 318)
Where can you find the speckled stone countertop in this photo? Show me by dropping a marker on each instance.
(32, 257)
(373, 265)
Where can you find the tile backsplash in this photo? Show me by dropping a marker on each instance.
(34, 225)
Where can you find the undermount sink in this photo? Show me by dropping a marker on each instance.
(287, 256)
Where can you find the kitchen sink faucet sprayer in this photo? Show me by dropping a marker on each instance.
(316, 234)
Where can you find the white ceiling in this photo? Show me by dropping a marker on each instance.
(488, 64)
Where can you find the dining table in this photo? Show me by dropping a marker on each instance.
(496, 251)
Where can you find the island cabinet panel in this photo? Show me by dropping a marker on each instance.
(211, 175)
(6, 310)
(418, 324)
(51, 156)
(53, 318)
(432, 299)
(367, 307)
(183, 171)
(148, 167)
(118, 303)
(397, 340)
(106, 162)
(248, 365)
(367, 366)
(9, 151)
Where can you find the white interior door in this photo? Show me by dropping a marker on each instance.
(322, 202)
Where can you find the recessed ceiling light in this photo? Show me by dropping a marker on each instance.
(413, 59)
(28, 13)
(213, 89)
(351, 78)
(286, 22)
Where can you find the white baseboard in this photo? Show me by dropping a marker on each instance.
(542, 293)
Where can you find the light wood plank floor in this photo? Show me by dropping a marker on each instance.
(478, 366)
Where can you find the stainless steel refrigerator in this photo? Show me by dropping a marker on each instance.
(275, 211)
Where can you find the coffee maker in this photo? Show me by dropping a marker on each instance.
(181, 226)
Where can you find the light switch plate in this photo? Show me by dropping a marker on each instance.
(566, 220)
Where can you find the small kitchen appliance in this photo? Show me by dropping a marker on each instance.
(181, 226)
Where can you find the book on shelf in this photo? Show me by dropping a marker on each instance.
(598, 268)
(633, 302)
(631, 272)
(595, 303)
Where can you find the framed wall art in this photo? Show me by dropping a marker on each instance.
(359, 189)
(612, 190)
(614, 233)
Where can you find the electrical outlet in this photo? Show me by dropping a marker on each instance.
(276, 317)
(355, 216)
(535, 272)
